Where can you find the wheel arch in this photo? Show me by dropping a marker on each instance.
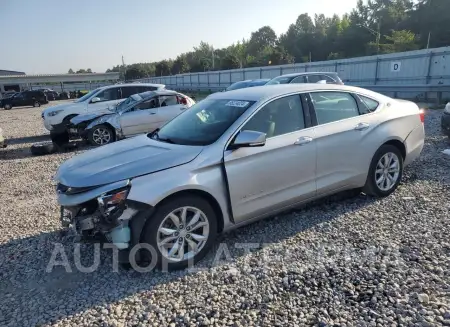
(202, 194)
(398, 144)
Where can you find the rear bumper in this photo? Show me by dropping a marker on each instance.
(445, 124)
(414, 144)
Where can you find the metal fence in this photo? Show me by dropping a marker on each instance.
(419, 69)
(70, 86)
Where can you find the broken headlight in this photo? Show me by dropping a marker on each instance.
(113, 202)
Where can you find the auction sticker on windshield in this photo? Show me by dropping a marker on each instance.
(239, 104)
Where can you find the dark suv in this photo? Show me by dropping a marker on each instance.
(25, 98)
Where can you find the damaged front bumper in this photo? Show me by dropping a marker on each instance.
(100, 213)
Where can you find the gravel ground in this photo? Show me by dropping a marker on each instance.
(337, 262)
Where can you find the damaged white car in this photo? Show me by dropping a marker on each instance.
(140, 113)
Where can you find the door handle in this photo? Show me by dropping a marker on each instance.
(182, 108)
(303, 140)
(152, 113)
(362, 126)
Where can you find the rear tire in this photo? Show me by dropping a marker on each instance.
(7, 107)
(42, 148)
(186, 233)
(385, 172)
(36, 104)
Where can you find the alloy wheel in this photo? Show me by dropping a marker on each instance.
(387, 171)
(101, 136)
(182, 234)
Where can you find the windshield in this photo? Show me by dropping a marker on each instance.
(122, 106)
(236, 86)
(86, 96)
(258, 82)
(281, 80)
(203, 123)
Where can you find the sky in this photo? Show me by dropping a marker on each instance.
(51, 36)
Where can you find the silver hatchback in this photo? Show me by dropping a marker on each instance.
(234, 158)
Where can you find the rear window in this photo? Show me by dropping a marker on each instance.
(281, 80)
(236, 86)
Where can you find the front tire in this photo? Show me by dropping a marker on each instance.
(101, 135)
(385, 172)
(181, 232)
(7, 107)
(36, 104)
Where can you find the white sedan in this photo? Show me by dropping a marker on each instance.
(236, 157)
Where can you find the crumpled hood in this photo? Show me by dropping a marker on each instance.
(88, 117)
(123, 160)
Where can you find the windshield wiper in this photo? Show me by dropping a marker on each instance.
(154, 135)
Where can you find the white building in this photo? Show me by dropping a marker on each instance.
(19, 81)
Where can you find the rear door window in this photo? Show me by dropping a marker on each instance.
(146, 88)
(109, 94)
(130, 90)
(314, 78)
(299, 79)
(168, 100)
(148, 104)
(327, 78)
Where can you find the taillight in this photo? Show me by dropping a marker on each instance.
(422, 115)
(182, 100)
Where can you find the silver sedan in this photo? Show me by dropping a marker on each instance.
(234, 158)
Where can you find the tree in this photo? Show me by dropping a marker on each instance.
(262, 38)
(134, 72)
(71, 71)
(399, 41)
(163, 68)
(88, 70)
(180, 65)
(390, 25)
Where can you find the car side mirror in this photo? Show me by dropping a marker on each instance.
(248, 139)
(95, 99)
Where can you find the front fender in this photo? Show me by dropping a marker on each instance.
(152, 189)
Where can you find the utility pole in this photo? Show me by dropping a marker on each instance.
(212, 52)
(428, 41)
(376, 33)
(124, 68)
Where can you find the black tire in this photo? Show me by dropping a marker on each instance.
(60, 140)
(92, 132)
(7, 106)
(371, 187)
(150, 230)
(42, 148)
(36, 104)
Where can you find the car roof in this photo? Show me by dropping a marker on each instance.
(304, 73)
(265, 92)
(148, 94)
(244, 81)
(132, 84)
